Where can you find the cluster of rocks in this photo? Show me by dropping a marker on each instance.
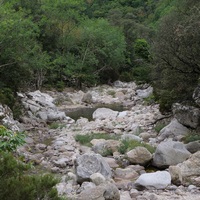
(86, 172)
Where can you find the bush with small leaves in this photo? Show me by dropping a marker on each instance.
(17, 184)
(10, 140)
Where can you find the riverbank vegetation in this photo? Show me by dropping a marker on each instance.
(81, 43)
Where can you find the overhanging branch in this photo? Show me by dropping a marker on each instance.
(12, 63)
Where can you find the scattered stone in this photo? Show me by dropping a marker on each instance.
(57, 151)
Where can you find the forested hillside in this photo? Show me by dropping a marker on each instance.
(86, 42)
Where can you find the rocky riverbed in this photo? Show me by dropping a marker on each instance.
(160, 166)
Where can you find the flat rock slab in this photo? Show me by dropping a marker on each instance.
(158, 180)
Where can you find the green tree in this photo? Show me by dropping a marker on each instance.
(21, 55)
(177, 60)
(98, 48)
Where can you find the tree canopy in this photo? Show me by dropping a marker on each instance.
(82, 43)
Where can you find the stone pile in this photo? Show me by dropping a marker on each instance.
(86, 172)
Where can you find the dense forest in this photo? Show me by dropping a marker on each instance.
(81, 43)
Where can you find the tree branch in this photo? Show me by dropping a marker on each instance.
(7, 64)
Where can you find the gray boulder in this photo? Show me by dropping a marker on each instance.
(87, 98)
(186, 115)
(170, 153)
(88, 164)
(158, 180)
(173, 130)
(187, 172)
(193, 147)
(139, 155)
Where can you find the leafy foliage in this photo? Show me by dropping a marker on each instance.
(10, 140)
(15, 184)
(178, 66)
(83, 43)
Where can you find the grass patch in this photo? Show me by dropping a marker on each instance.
(159, 127)
(191, 137)
(127, 145)
(85, 139)
(55, 125)
(149, 100)
(111, 93)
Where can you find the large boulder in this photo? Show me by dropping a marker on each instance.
(104, 113)
(88, 164)
(173, 130)
(157, 180)
(187, 172)
(139, 155)
(186, 115)
(170, 153)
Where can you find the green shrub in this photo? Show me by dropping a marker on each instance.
(10, 140)
(127, 145)
(7, 97)
(85, 139)
(16, 184)
(60, 85)
(149, 100)
(54, 125)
